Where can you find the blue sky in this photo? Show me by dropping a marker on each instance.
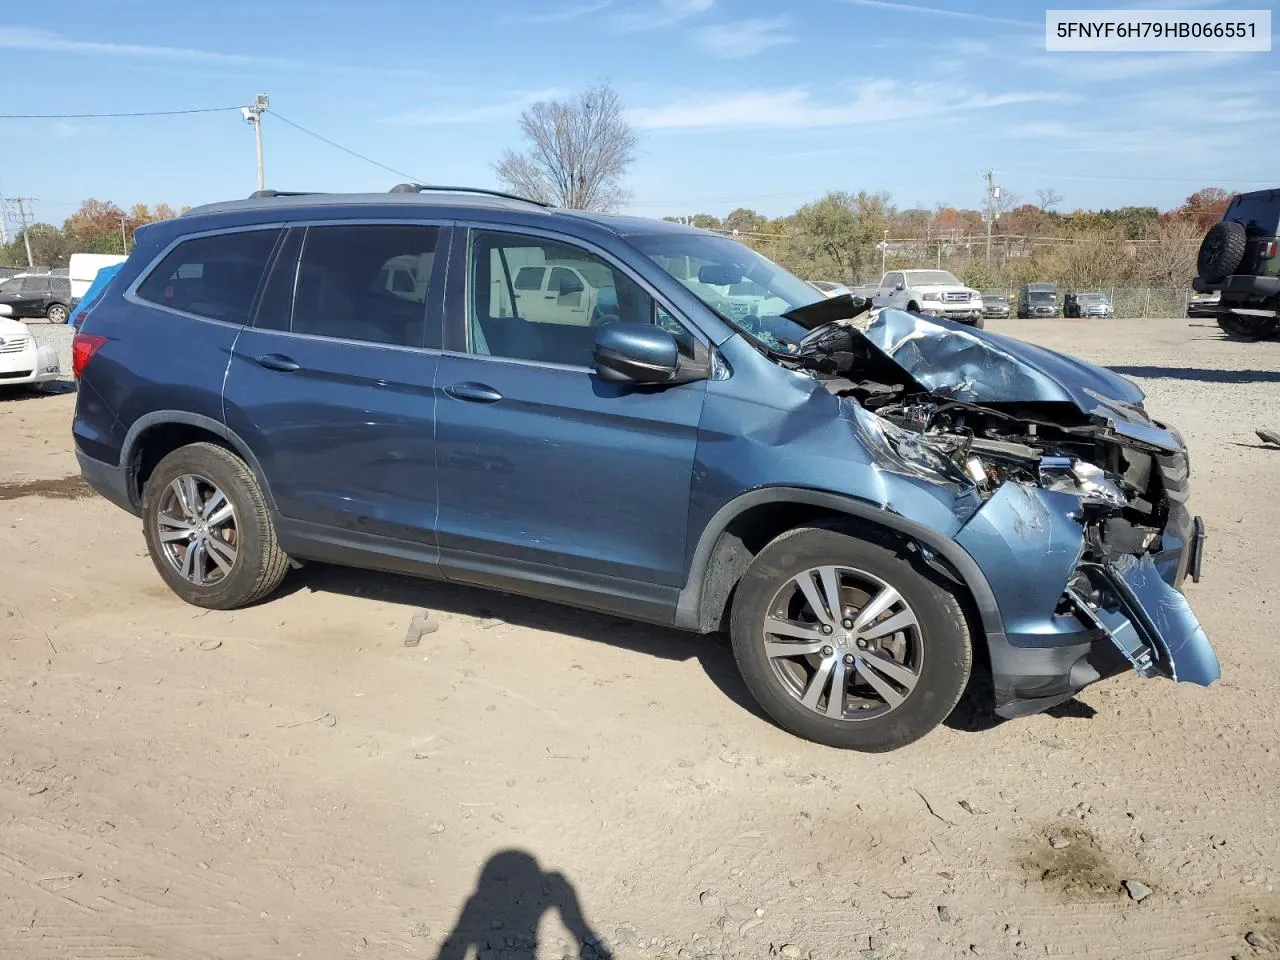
(738, 102)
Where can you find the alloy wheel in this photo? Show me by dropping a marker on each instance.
(844, 643)
(197, 530)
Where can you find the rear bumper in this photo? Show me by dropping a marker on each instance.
(108, 480)
(1240, 286)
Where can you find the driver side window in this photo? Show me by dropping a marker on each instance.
(542, 300)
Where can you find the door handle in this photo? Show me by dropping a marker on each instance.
(473, 392)
(278, 361)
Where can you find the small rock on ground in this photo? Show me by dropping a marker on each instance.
(1137, 890)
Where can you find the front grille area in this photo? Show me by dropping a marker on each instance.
(16, 374)
(15, 346)
(955, 298)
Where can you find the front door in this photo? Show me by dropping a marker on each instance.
(332, 386)
(546, 472)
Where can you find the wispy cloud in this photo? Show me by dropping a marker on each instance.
(660, 15)
(871, 101)
(455, 113)
(744, 38)
(940, 12)
(25, 38)
(563, 15)
(47, 41)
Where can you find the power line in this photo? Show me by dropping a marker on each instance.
(358, 156)
(106, 116)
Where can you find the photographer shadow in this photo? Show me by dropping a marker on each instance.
(501, 916)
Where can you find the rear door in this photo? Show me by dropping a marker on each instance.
(332, 386)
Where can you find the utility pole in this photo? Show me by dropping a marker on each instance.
(253, 115)
(884, 245)
(993, 194)
(124, 237)
(25, 217)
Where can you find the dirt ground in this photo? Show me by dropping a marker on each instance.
(291, 780)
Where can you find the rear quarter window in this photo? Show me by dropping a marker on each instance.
(215, 277)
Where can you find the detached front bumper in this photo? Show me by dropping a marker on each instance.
(1058, 637)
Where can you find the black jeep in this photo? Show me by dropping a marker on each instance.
(1238, 259)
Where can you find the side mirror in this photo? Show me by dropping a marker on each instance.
(902, 285)
(636, 353)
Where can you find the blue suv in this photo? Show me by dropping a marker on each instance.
(637, 417)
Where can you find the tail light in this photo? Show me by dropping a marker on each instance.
(83, 347)
(1267, 249)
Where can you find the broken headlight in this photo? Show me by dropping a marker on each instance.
(1081, 479)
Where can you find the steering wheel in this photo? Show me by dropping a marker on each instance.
(602, 319)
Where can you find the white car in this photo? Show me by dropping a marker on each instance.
(930, 293)
(22, 360)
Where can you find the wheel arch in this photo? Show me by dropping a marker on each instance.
(157, 434)
(739, 529)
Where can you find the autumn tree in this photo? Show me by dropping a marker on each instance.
(578, 152)
(1205, 207)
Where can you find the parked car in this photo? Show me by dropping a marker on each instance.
(930, 293)
(864, 499)
(995, 305)
(829, 288)
(37, 296)
(23, 361)
(1239, 259)
(83, 267)
(1038, 300)
(1204, 304)
(1087, 305)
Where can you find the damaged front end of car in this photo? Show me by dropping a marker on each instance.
(1069, 498)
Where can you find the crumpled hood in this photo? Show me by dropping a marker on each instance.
(957, 362)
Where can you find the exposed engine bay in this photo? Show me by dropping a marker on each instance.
(981, 412)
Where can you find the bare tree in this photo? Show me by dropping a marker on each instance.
(578, 152)
(1049, 198)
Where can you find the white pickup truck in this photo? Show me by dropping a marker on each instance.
(931, 293)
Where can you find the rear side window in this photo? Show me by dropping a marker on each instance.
(215, 277)
(1257, 211)
(365, 282)
(35, 285)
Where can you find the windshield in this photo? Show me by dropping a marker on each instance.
(746, 289)
(915, 277)
(994, 296)
(1091, 298)
(1039, 296)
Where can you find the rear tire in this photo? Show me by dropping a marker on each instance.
(207, 558)
(896, 683)
(1248, 329)
(57, 313)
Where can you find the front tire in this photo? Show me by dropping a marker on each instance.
(208, 529)
(879, 672)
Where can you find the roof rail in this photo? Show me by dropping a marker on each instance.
(420, 187)
(259, 194)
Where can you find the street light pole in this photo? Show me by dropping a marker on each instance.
(253, 115)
